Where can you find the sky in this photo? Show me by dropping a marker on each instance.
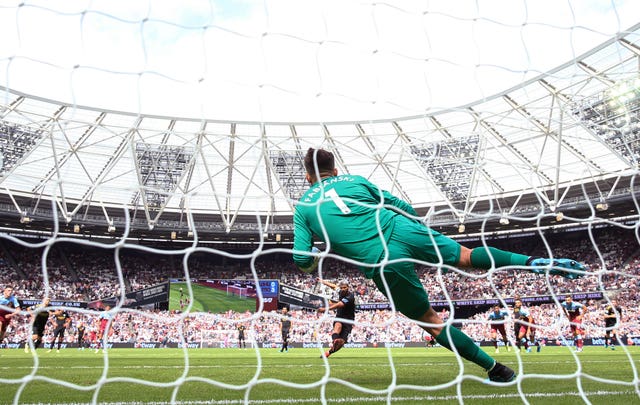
(292, 60)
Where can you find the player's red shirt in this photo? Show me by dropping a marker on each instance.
(573, 310)
(105, 317)
(11, 302)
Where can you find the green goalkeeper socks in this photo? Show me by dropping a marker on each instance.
(465, 347)
(481, 258)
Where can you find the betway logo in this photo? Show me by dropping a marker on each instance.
(147, 345)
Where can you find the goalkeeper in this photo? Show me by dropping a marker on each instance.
(363, 223)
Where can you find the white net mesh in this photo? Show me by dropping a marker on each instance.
(146, 144)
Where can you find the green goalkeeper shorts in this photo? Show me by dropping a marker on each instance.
(405, 290)
(414, 241)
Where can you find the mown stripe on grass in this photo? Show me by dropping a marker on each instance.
(286, 366)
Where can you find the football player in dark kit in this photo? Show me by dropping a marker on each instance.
(612, 317)
(61, 321)
(241, 343)
(80, 331)
(285, 328)
(39, 318)
(345, 315)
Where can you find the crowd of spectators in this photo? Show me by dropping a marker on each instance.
(373, 327)
(91, 274)
(80, 273)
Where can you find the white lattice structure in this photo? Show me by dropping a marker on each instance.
(534, 140)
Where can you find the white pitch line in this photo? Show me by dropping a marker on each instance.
(350, 400)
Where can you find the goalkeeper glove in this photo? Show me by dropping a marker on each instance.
(309, 269)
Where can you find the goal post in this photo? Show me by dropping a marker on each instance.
(237, 291)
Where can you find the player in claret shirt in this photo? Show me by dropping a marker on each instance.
(497, 319)
(105, 325)
(523, 327)
(574, 311)
(10, 307)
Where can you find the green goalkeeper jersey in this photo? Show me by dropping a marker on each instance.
(350, 214)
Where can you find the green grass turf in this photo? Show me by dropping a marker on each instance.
(352, 376)
(207, 299)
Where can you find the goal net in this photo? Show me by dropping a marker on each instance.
(146, 145)
(237, 291)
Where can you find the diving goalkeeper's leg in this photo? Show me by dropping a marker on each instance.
(404, 288)
(456, 340)
(488, 257)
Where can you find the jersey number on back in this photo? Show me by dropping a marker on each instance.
(331, 193)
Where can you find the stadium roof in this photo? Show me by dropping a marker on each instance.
(569, 136)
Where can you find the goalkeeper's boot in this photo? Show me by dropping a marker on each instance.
(559, 267)
(501, 373)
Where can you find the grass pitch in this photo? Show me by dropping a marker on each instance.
(207, 299)
(352, 376)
